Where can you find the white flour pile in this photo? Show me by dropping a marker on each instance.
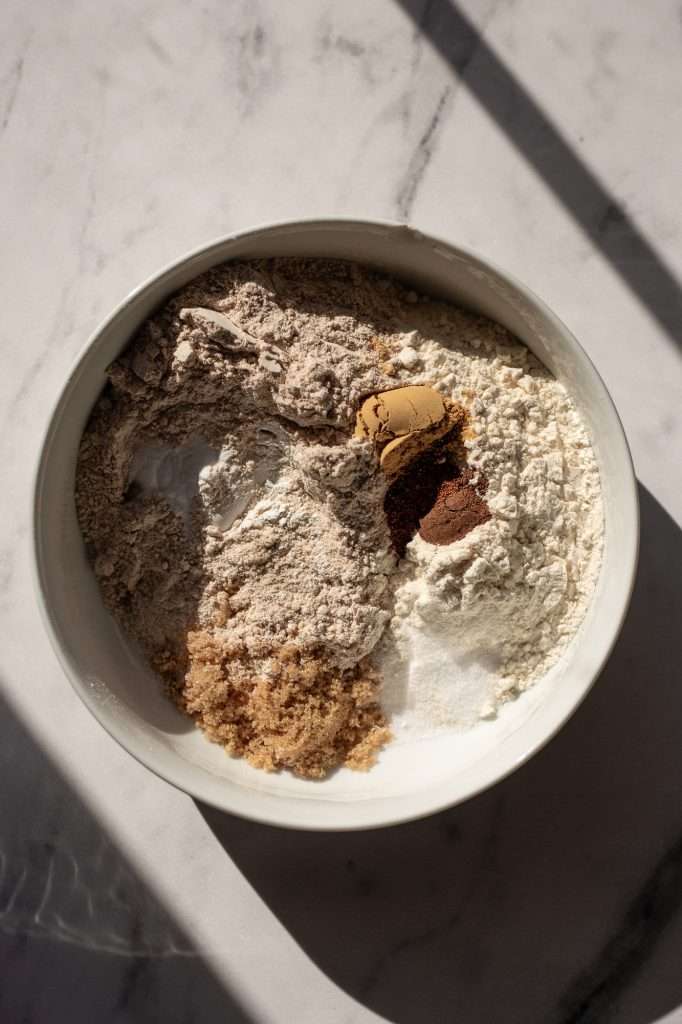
(492, 612)
(237, 527)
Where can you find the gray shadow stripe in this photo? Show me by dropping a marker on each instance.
(82, 938)
(601, 216)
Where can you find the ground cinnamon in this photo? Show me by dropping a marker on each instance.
(436, 498)
(457, 509)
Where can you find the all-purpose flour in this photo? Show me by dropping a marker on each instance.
(486, 616)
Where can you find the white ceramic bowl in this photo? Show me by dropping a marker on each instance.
(412, 779)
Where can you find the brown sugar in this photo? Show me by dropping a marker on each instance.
(295, 712)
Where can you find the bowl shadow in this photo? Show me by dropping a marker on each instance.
(556, 895)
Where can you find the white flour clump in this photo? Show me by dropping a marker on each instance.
(479, 620)
(309, 561)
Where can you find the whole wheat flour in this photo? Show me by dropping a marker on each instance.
(241, 533)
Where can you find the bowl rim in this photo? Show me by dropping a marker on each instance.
(257, 812)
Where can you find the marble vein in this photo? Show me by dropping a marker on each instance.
(486, 865)
(96, 905)
(465, 50)
(422, 156)
(257, 59)
(11, 88)
(593, 997)
(154, 46)
(329, 43)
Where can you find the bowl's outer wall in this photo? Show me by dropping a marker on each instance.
(109, 678)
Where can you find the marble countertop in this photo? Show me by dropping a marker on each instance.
(546, 136)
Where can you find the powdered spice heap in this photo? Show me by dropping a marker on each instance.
(457, 509)
(434, 497)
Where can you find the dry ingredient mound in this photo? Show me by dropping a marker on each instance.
(248, 537)
(299, 714)
(436, 497)
(226, 508)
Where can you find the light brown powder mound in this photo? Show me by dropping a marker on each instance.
(297, 712)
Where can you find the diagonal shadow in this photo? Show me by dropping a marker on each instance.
(602, 217)
(81, 938)
(557, 895)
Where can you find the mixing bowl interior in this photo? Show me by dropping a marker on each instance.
(412, 778)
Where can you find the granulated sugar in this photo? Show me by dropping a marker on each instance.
(431, 684)
(238, 528)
